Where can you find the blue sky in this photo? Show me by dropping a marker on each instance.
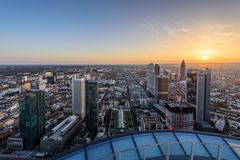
(123, 31)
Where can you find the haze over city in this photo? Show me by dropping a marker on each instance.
(119, 32)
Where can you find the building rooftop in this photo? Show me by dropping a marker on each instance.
(150, 119)
(176, 106)
(17, 155)
(58, 132)
(159, 145)
(121, 121)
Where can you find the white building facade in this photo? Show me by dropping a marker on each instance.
(78, 97)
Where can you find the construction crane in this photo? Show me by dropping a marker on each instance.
(180, 100)
(169, 125)
(180, 107)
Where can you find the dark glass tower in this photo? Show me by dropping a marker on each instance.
(32, 118)
(92, 106)
(203, 95)
(157, 69)
(192, 86)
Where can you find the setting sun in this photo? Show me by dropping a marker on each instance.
(204, 57)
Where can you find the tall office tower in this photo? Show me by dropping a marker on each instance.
(161, 88)
(183, 71)
(203, 95)
(32, 118)
(165, 72)
(38, 84)
(157, 69)
(192, 86)
(50, 77)
(92, 106)
(150, 78)
(78, 97)
(173, 76)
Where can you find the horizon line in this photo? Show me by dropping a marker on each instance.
(84, 64)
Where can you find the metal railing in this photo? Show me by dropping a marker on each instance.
(164, 151)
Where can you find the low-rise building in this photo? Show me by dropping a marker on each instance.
(150, 123)
(60, 135)
(179, 116)
(15, 143)
(120, 122)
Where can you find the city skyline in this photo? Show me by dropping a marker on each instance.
(119, 79)
(81, 108)
(119, 32)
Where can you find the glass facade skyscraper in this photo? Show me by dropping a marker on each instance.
(183, 71)
(192, 86)
(203, 95)
(157, 69)
(78, 97)
(152, 71)
(92, 106)
(32, 118)
(150, 74)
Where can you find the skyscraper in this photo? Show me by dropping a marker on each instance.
(152, 72)
(92, 106)
(50, 77)
(32, 118)
(157, 69)
(192, 86)
(183, 71)
(161, 88)
(78, 97)
(203, 95)
(150, 78)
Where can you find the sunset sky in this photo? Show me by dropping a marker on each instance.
(119, 31)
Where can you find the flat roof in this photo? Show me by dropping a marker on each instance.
(17, 155)
(123, 122)
(157, 145)
(65, 124)
(176, 106)
(152, 118)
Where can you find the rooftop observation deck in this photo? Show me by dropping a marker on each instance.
(159, 145)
